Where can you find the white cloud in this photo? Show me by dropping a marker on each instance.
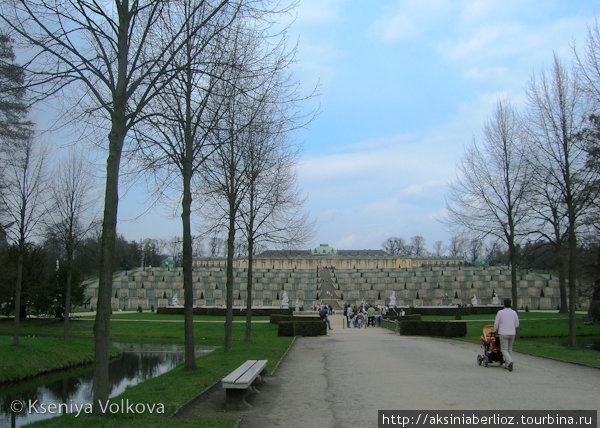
(409, 19)
(318, 11)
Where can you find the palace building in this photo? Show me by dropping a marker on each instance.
(328, 275)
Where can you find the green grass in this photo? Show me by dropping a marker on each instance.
(176, 387)
(210, 334)
(543, 334)
(37, 355)
(165, 317)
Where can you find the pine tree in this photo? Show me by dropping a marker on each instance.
(13, 109)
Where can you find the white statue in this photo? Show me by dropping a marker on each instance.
(474, 300)
(297, 305)
(174, 300)
(285, 301)
(393, 299)
(495, 299)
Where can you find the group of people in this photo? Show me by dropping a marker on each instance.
(359, 316)
(506, 323)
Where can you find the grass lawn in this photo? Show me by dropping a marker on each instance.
(37, 355)
(541, 333)
(176, 387)
(210, 334)
(165, 317)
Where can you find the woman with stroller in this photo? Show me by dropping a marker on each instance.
(506, 324)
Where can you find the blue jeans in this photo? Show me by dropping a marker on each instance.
(328, 322)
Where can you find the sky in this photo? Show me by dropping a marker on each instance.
(404, 87)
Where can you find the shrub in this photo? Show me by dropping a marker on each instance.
(302, 328)
(433, 328)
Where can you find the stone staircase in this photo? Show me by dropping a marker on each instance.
(328, 293)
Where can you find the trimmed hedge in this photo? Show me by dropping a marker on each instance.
(222, 311)
(433, 328)
(452, 311)
(411, 317)
(302, 328)
(277, 318)
(390, 325)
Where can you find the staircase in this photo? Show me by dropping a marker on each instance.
(327, 291)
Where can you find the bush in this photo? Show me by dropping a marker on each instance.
(277, 318)
(302, 328)
(433, 328)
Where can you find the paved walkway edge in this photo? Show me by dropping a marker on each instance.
(217, 384)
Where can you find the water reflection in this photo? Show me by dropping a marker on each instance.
(138, 363)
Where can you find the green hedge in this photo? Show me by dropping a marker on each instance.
(259, 312)
(453, 311)
(409, 317)
(277, 318)
(433, 328)
(390, 325)
(302, 328)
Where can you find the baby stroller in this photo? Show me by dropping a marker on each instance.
(490, 347)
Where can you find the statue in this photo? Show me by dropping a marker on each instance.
(174, 300)
(495, 299)
(297, 305)
(285, 301)
(474, 300)
(393, 299)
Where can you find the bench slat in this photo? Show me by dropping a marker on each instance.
(243, 376)
(234, 375)
(252, 373)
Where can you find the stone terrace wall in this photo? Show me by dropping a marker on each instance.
(423, 286)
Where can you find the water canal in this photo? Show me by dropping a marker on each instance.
(138, 363)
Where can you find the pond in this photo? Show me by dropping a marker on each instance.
(138, 363)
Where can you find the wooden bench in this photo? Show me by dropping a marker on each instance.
(237, 383)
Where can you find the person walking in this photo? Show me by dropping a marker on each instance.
(349, 316)
(506, 324)
(371, 316)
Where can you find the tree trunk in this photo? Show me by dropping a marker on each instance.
(18, 297)
(101, 387)
(68, 300)
(229, 296)
(562, 282)
(593, 314)
(513, 276)
(188, 286)
(572, 285)
(249, 289)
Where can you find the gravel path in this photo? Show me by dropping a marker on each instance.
(344, 378)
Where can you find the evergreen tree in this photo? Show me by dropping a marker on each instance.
(13, 110)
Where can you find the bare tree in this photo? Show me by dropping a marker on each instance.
(70, 203)
(394, 246)
(475, 247)
(490, 195)
(174, 142)
(417, 243)
(214, 244)
(457, 246)
(23, 205)
(120, 59)
(438, 248)
(588, 69)
(556, 113)
(271, 212)
(258, 110)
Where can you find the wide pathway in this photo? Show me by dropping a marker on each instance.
(344, 378)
